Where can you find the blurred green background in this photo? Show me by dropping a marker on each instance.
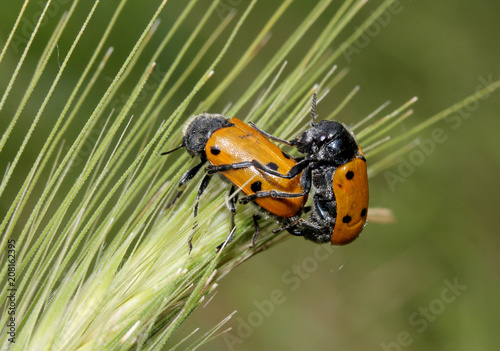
(391, 288)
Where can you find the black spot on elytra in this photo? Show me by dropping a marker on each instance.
(272, 166)
(215, 150)
(349, 175)
(256, 186)
(363, 212)
(346, 219)
(285, 154)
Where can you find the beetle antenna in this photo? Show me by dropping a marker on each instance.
(170, 151)
(313, 110)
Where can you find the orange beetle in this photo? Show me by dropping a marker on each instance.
(337, 168)
(230, 146)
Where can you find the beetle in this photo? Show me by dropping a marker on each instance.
(230, 146)
(337, 167)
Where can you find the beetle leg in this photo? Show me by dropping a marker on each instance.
(201, 189)
(306, 180)
(185, 178)
(211, 169)
(306, 183)
(292, 173)
(300, 223)
(271, 193)
(297, 159)
(256, 218)
(270, 136)
(191, 173)
(288, 226)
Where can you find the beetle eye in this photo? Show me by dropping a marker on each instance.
(335, 147)
(322, 138)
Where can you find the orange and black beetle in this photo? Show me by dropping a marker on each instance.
(337, 167)
(230, 146)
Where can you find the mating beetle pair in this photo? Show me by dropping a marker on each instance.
(333, 167)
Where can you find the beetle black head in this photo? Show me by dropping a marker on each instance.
(327, 141)
(200, 129)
